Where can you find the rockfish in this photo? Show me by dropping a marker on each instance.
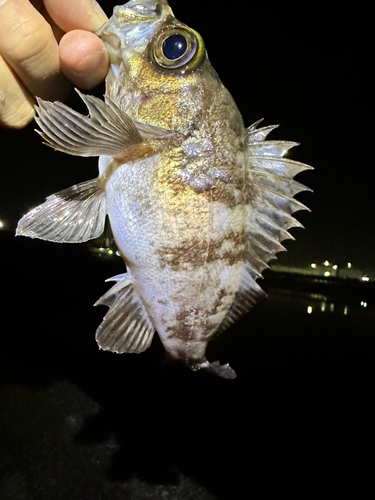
(197, 203)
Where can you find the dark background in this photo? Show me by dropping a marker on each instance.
(79, 423)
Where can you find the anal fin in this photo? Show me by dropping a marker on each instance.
(73, 215)
(126, 328)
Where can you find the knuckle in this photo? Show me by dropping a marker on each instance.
(28, 41)
(16, 116)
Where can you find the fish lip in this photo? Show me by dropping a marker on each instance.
(137, 11)
(147, 6)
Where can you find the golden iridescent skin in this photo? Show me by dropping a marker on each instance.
(197, 203)
(193, 188)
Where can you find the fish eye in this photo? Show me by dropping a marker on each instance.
(178, 48)
(174, 46)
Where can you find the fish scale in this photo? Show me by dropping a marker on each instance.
(198, 205)
(177, 289)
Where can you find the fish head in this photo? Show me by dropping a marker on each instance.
(160, 73)
(129, 30)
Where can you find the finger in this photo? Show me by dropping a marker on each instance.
(40, 7)
(16, 104)
(76, 14)
(28, 45)
(83, 58)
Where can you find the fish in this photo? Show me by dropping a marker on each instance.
(198, 204)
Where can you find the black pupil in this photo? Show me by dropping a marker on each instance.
(174, 46)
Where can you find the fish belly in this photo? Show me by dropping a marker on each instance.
(183, 251)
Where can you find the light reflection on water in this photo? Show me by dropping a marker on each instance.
(314, 303)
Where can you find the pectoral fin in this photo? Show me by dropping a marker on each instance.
(106, 131)
(73, 215)
(126, 327)
(152, 132)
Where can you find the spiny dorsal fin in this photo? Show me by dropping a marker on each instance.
(270, 179)
(255, 134)
(269, 215)
(73, 215)
(249, 294)
(126, 327)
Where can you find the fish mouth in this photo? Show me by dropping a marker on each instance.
(146, 7)
(138, 11)
(135, 12)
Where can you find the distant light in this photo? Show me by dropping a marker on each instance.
(313, 265)
(326, 263)
(334, 267)
(345, 310)
(1, 224)
(309, 309)
(349, 264)
(365, 278)
(323, 307)
(110, 252)
(327, 273)
(332, 307)
(363, 304)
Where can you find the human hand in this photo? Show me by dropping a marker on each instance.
(44, 46)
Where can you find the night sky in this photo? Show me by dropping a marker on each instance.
(306, 71)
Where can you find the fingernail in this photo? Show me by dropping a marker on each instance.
(97, 7)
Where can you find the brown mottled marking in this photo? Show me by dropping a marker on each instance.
(231, 193)
(184, 332)
(183, 328)
(226, 195)
(218, 302)
(131, 153)
(181, 332)
(193, 253)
